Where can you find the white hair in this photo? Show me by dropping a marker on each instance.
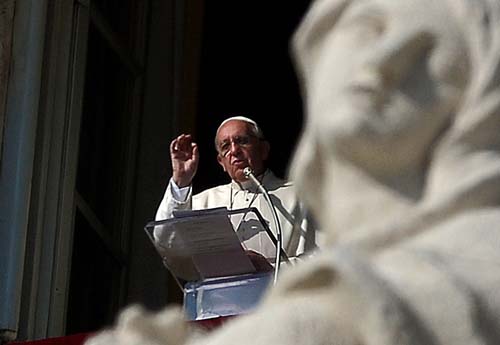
(255, 127)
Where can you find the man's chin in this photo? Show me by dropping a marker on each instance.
(239, 176)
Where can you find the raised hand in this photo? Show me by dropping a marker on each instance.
(184, 155)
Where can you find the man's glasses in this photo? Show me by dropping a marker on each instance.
(240, 141)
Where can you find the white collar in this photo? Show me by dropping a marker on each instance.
(248, 184)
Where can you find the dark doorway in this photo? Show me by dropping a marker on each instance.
(245, 68)
(106, 162)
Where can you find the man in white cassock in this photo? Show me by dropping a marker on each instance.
(240, 143)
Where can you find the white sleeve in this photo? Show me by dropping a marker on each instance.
(175, 198)
(179, 194)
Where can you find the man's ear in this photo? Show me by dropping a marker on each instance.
(265, 148)
(219, 159)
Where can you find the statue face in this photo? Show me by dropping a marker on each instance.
(381, 79)
(381, 82)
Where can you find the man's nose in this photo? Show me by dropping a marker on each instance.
(235, 148)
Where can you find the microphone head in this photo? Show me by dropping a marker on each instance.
(247, 172)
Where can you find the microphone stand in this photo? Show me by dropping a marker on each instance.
(249, 174)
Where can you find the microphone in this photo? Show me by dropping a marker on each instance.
(250, 175)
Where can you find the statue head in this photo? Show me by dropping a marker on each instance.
(397, 96)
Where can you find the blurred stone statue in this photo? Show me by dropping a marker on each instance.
(400, 162)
